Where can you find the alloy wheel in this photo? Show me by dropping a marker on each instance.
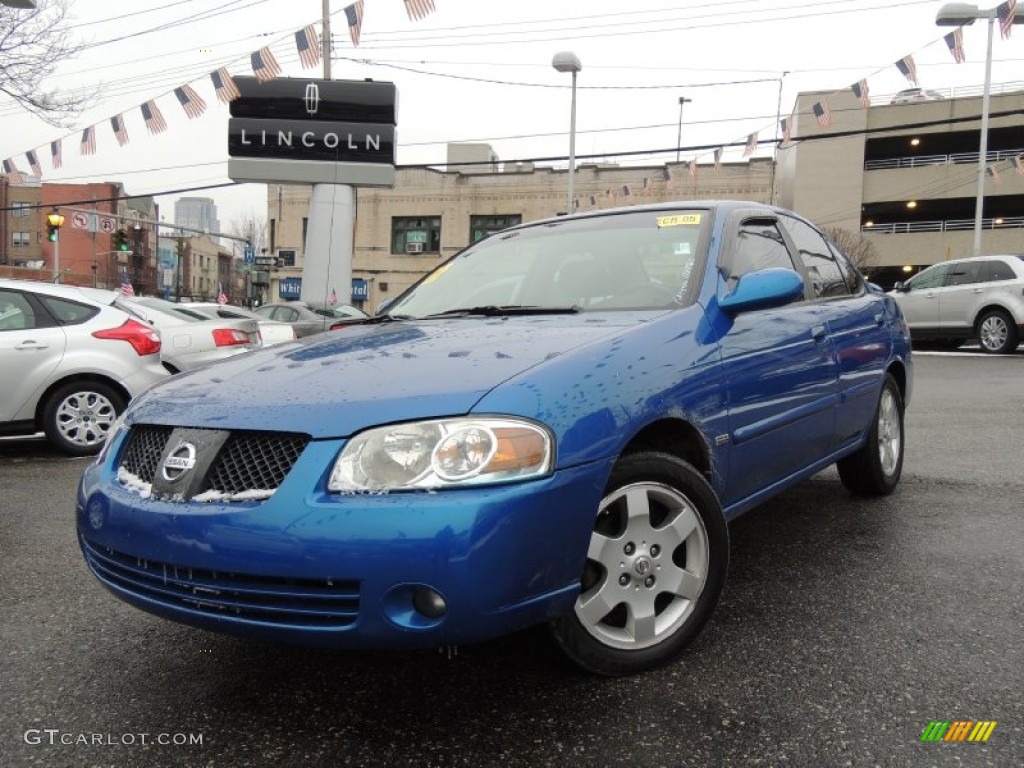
(84, 418)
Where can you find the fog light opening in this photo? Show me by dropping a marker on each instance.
(429, 603)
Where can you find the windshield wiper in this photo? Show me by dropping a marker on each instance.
(509, 309)
(385, 318)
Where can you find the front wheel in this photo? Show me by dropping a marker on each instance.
(997, 332)
(875, 469)
(655, 568)
(78, 416)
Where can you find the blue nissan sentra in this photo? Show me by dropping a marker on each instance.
(553, 426)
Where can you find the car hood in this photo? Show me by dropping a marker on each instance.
(337, 384)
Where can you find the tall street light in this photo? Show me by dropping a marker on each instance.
(567, 61)
(958, 15)
(679, 136)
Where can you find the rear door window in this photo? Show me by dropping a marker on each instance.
(995, 271)
(68, 312)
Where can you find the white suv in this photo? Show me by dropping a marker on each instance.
(979, 298)
(70, 362)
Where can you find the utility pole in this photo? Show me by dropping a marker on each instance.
(326, 39)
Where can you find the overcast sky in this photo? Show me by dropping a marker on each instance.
(481, 71)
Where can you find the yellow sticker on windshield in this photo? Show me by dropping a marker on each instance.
(679, 220)
(436, 273)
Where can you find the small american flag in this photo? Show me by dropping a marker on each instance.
(222, 298)
(264, 65)
(190, 101)
(14, 176)
(55, 153)
(126, 285)
(308, 46)
(33, 162)
(354, 15)
(610, 193)
(647, 186)
(224, 85)
(907, 68)
(669, 181)
(822, 114)
(751, 147)
(117, 125)
(693, 168)
(786, 124)
(626, 191)
(417, 9)
(1006, 13)
(334, 297)
(154, 119)
(593, 200)
(718, 158)
(88, 146)
(1018, 164)
(993, 173)
(955, 41)
(860, 90)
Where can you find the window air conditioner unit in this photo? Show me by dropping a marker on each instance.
(414, 247)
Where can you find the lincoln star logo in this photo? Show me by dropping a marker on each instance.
(312, 99)
(179, 461)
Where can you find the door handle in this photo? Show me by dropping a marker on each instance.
(32, 344)
(818, 332)
(880, 318)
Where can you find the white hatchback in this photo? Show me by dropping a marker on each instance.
(70, 361)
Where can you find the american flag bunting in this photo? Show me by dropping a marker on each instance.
(120, 132)
(354, 16)
(14, 176)
(33, 162)
(822, 113)
(593, 201)
(190, 101)
(626, 191)
(955, 41)
(860, 90)
(647, 186)
(418, 9)
(1006, 13)
(751, 145)
(264, 65)
(718, 158)
(224, 85)
(88, 145)
(669, 181)
(308, 46)
(693, 168)
(154, 118)
(56, 156)
(786, 124)
(907, 68)
(222, 298)
(126, 285)
(334, 297)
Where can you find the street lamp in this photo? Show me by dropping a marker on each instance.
(54, 221)
(958, 15)
(566, 61)
(679, 136)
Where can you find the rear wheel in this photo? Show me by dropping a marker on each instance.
(875, 469)
(78, 416)
(655, 568)
(997, 332)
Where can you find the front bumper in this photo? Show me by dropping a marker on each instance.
(312, 567)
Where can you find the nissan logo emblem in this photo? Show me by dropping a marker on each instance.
(179, 461)
(312, 99)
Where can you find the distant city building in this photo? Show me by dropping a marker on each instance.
(196, 213)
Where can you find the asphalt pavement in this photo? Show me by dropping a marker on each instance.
(846, 627)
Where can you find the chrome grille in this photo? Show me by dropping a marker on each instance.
(240, 597)
(142, 454)
(254, 461)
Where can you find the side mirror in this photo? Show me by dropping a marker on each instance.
(763, 289)
(899, 286)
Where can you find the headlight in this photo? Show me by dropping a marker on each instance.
(442, 453)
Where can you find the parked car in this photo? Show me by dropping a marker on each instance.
(555, 425)
(975, 298)
(911, 95)
(271, 331)
(191, 338)
(69, 362)
(307, 320)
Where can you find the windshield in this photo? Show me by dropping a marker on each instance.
(641, 260)
(169, 308)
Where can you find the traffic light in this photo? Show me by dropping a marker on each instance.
(120, 240)
(51, 233)
(54, 221)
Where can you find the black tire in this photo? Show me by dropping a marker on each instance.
(78, 415)
(997, 332)
(875, 469)
(669, 564)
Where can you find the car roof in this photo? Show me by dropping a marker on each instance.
(95, 295)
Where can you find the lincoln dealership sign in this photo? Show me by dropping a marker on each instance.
(313, 131)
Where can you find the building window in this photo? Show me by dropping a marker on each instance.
(416, 235)
(21, 238)
(286, 258)
(19, 210)
(305, 228)
(273, 233)
(482, 226)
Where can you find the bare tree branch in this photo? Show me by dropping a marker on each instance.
(858, 249)
(251, 226)
(32, 43)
